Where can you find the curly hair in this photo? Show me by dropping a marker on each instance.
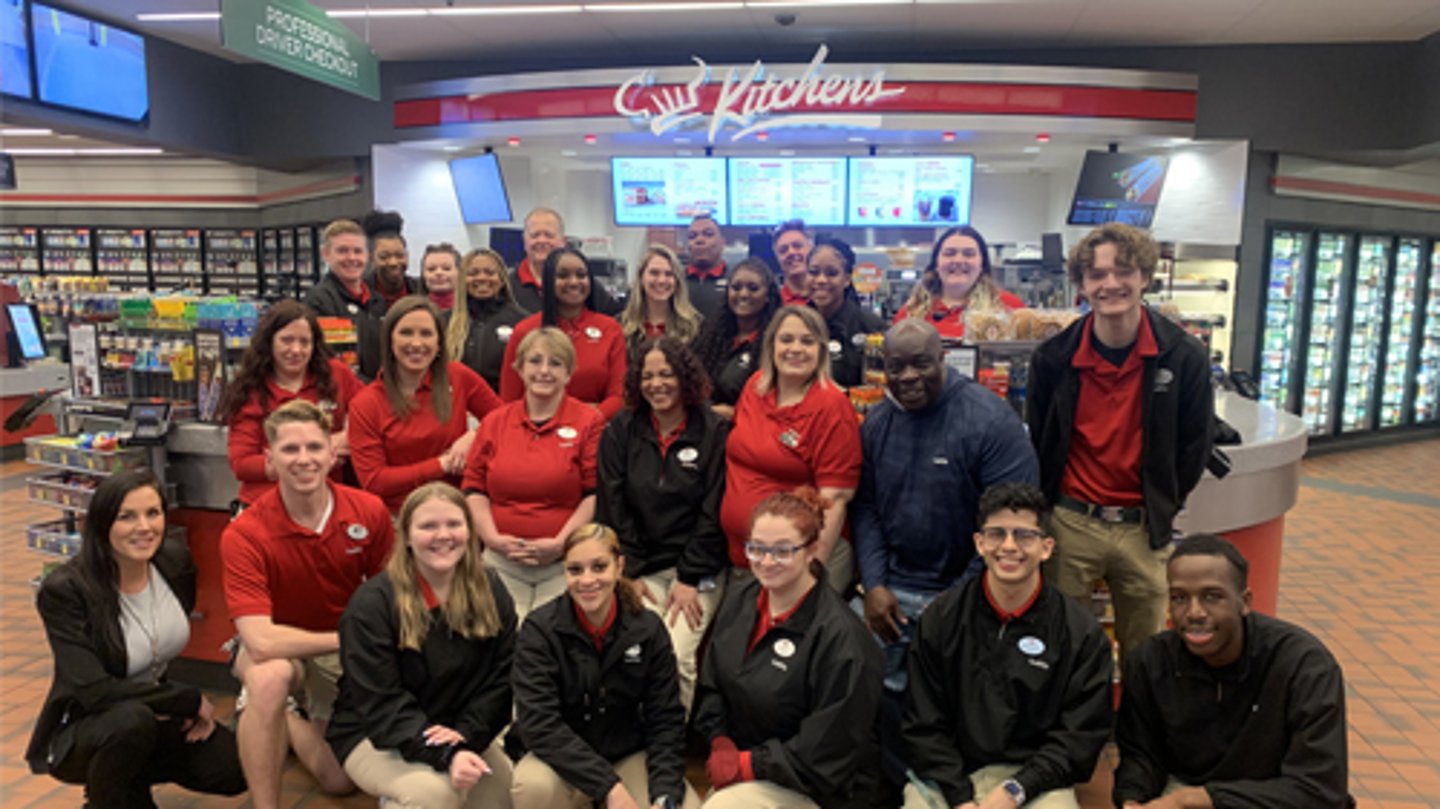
(1013, 497)
(689, 373)
(719, 331)
(258, 363)
(1133, 248)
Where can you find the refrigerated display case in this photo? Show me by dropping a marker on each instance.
(19, 250)
(1427, 372)
(1405, 298)
(175, 259)
(1284, 296)
(1322, 350)
(307, 259)
(67, 251)
(122, 255)
(231, 258)
(1367, 318)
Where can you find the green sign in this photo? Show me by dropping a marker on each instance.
(296, 36)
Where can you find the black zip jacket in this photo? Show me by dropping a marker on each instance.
(728, 378)
(848, 327)
(707, 294)
(391, 695)
(330, 298)
(491, 324)
(803, 703)
(665, 509)
(1178, 408)
(1266, 731)
(1034, 692)
(580, 710)
(412, 285)
(90, 674)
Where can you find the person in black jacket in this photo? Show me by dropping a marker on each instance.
(1120, 410)
(831, 263)
(729, 343)
(115, 616)
(344, 293)
(1230, 708)
(478, 330)
(545, 233)
(1009, 700)
(662, 472)
(596, 698)
(426, 649)
(790, 682)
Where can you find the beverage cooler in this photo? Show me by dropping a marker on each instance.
(175, 260)
(289, 260)
(1344, 340)
(231, 261)
(67, 251)
(122, 255)
(19, 250)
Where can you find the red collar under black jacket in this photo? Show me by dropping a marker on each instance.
(1178, 412)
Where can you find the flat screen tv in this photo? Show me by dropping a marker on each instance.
(29, 342)
(509, 243)
(766, 191)
(650, 191)
(14, 50)
(1115, 187)
(480, 187)
(910, 191)
(88, 65)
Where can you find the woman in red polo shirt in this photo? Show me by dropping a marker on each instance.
(958, 278)
(659, 301)
(530, 478)
(598, 373)
(287, 359)
(410, 426)
(793, 427)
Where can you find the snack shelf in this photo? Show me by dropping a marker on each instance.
(68, 490)
(65, 452)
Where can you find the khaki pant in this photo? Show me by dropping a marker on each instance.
(1087, 549)
(315, 683)
(529, 587)
(840, 570)
(985, 780)
(537, 786)
(758, 795)
(685, 640)
(407, 785)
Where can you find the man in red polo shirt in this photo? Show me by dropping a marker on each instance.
(291, 562)
(1120, 410)
(792, 250)
(544, 233)
(705, 277)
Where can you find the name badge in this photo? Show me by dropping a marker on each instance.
(504, 332)
(835, 347)
(592, 332)
(567, 433)
(357, 531)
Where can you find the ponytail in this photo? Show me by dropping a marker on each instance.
(624, 587)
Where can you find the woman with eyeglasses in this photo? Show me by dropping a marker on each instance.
(793, 427)
(790, 682)
(729, 343)
(830, 264)
(480, 329)
(957, 279)
(439, 273)
(659, 301)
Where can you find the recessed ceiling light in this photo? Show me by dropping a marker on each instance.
(819, 3)
(469, 11)
(948, 137)
(513, 141)
(1032, 150)
(344, 13)
(590, 140)
(855, 139)
(452, 148)
(24, 132)
(651, 7)
(95, 152)
(568, 153)
(1043, 137)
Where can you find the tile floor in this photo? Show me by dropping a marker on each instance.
(1361, 557)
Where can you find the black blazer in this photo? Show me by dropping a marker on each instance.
(89, 678)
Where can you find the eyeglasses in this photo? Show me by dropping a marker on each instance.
(994, 535)
(754, 551)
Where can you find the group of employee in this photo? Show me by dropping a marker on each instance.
(654, 518)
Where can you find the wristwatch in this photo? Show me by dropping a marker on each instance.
(1014, 790)
(664, 802)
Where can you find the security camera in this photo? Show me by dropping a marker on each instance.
(784, 20)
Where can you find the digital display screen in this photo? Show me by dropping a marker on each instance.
(1116, 187)
(668, 190)
(14, 49)
(88, 65)
(910, 191)
(147, 412)
(27, 330)
(480, 187)
(770, 190)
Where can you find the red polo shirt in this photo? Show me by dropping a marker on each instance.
(814, 442)
(789, 297)
(525, 274)
(764, 621)
(950, 320)
(535, 476)
(1103, 466)
(247, 441)
(718, 271)
(599, 377)
(1007, 617)
(393, 455)
(298, 577)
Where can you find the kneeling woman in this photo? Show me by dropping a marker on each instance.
(426, 649)
(791, 680)
(115, 616)
(596, 698)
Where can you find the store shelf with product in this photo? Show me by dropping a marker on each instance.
(19, 250)
(232, 259)
(122, 257)
(67, 251)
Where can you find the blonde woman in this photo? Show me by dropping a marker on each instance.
(426, 648)
(659, 301)
(958, 278)
(480, 328)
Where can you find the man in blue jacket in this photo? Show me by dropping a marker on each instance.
(930, 449)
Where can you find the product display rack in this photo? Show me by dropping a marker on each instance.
(175, 259)
(1426, 399)
(307, 259)
(67, 251)
(122, 255)
(1284, 293)
(1327, 326)
(231, 259)
(1405, 297)
(1367, 318)
(19, 250)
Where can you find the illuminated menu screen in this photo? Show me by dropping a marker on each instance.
(770, 190)
(910, 191)
(668, 190)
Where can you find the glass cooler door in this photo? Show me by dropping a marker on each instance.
(1322, 351)
(1366, 321)
(1400, 331)
(1288, 253)
(1427, 374)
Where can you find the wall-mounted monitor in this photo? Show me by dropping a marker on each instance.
(29, 341)
(88, 65)
(652, 191)
(769, 190)
(1117, 187)
(480, 187)
(910, 191)
(509, 243)
(14, 49)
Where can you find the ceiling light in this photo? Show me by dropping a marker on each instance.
(97, 152)
(1042, 138)
(948, 137)
(343, 13)
(179, 16)
(590, 140)
(762, 136)
(22, 132)
(568, 153)
(819, 3)
(650, 7)
(452, 148)
(471, 11)
(1032, 150)
(855, 139)
(513, 141)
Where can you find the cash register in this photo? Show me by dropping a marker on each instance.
(146, 424)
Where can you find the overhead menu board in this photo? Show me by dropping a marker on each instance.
(910, 191)
(769, 190)
(668, 190)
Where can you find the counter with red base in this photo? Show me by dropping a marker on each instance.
(17, 385)
(198, 466)
(1248, 505)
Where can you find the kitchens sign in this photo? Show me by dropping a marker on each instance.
(753, 100)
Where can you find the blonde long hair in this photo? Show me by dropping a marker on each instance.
(459, 329)
(469, 609)
(682, 320)
(814, 324)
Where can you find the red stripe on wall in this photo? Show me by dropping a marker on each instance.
(955, 98)
(321, 186)
(1352, 190)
